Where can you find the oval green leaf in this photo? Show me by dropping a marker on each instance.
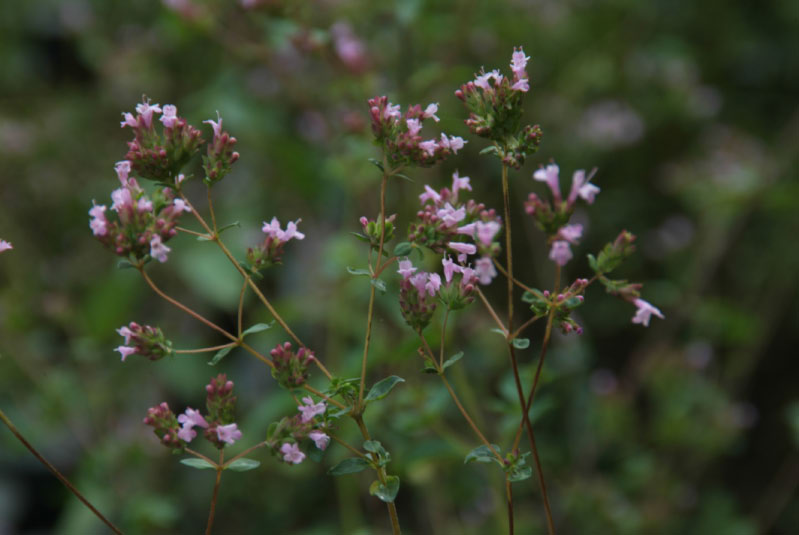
(352, 465)
(200, 464)
(243, 464)
(383, 387)
(386, 492)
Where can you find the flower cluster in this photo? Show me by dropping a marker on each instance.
(143, 340)
(444, 223)
(285, 437)
(5, 246)
(290, 367)
(371, 230)
(218, 424)
(552, 217)
(495, 111)
(157, 155)
(399, 134)
(221, 156)
(270, 251)
(138, 225)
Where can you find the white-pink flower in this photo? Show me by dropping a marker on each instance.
(181, 206)
(560, 253)
(170, 116)
(582, 187)
(5, 246)
(454, 143)
(518, 62)
(123, 170)
(462, 248)
(129, 120)
(144, 205)
(419, 282)
(430, 111)
(550, 176)
(186, 433)
(291, 453)
(179, 179)
(450, 216)
(228, 433)
(122, 199)
(487, 231)
(414, 126)
(450, 268)
(216, 125)
(433, 284)
(146, 110)
(158, 250)
(320, 439)
(125, 351)
(588, 192)
(484, 267)
(273, 230)
(459, 183)
(406, 268)
(191, 418)
(467, 230)
(522, 85)
(571, 233)
(644, 312)
(469, 276)
(429, 193)
(99, 223)
(125, 332)
(482, 80)
(309, 409)
(429, 146)
(392, 111)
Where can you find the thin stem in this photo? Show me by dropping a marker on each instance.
(509, 494)
(187, 231)
(211, 210)
(241, 307)
(491, 311)
(508, 242)
(515, 281)
(203, 349)
(443, 338)
(469, 420)
(385, 265)
(370, 310)
(243, 453)
(57, 474)
(201, 456)
(314, 391)
(350, 447)
(381, 475)
(526, 324)
(216, 492)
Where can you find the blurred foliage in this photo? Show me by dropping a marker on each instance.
(689, 110)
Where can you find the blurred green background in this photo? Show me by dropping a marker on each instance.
(689, 109)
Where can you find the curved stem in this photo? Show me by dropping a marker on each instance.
(509, 495)
(443, 338)
(243, 453)
(200, 456)
(381, 475)
(515, 281)
(491, 311)
(216, 492)
(203, 349)
(57, 474)
(526, 324)
(240, 315)
(350, 447)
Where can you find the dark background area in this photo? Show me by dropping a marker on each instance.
(690, 110)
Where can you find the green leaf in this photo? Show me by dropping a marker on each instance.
(386, 492)
(592, 262)
(498, 331)
(521, 343)
(197, 463)
(231, 225)
(403, 249)
(124, 264)
(353, 271)
(572, 303)
(489, 150)
(222, 353)
(203, 238)
(379, 284)
(361, 237)
(270, 431)
(482, 454)
(383, 387)
(377, 163)
(404, 177)
(243, 464)
(520, 473)
(452, 360)
(334, 415)
(373, 446)
(352, 465)
(258, 327)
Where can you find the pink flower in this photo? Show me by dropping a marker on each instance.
(429, 193)
(454, 143)
(484, 268)
(181, 206)
(123, 170)
(450, 216)
(487, 231)
(146, 110)
(126, 333)
(588, 193)
(392, 111)
(459, 183)
(158, 250)
(482, 80)
(125, 351)
(518, 62)
(414, 125)
(186, 434)
(144, 205)
(430, 112)
(309, 409)
(98, 222)
(419, 281)
(521, 85)
(5, 246)
(550, 176)
(122, 199)
(130, 121)
(429, 146)
(406, 268)
(273, 229)
(216, 125)
(463, 248)
(320, 439)
(560, 253)
(571, 233)
(582, 187)
(433, 284)
(169, 118)
(291, 453)
(467, 230)
(179, 179)
(450, 268)
(644, 312)
(191, 418)
(469, 276)
(228, 433)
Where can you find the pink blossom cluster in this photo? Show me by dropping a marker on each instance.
(270, 251)
(285, 437)
(143, 340)
(444, 223)
(553, 216)
(5, 246)
(137, 225)
(349, 48)
(220, 155)
(290, 367)
(400, 134)
(159, 155)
